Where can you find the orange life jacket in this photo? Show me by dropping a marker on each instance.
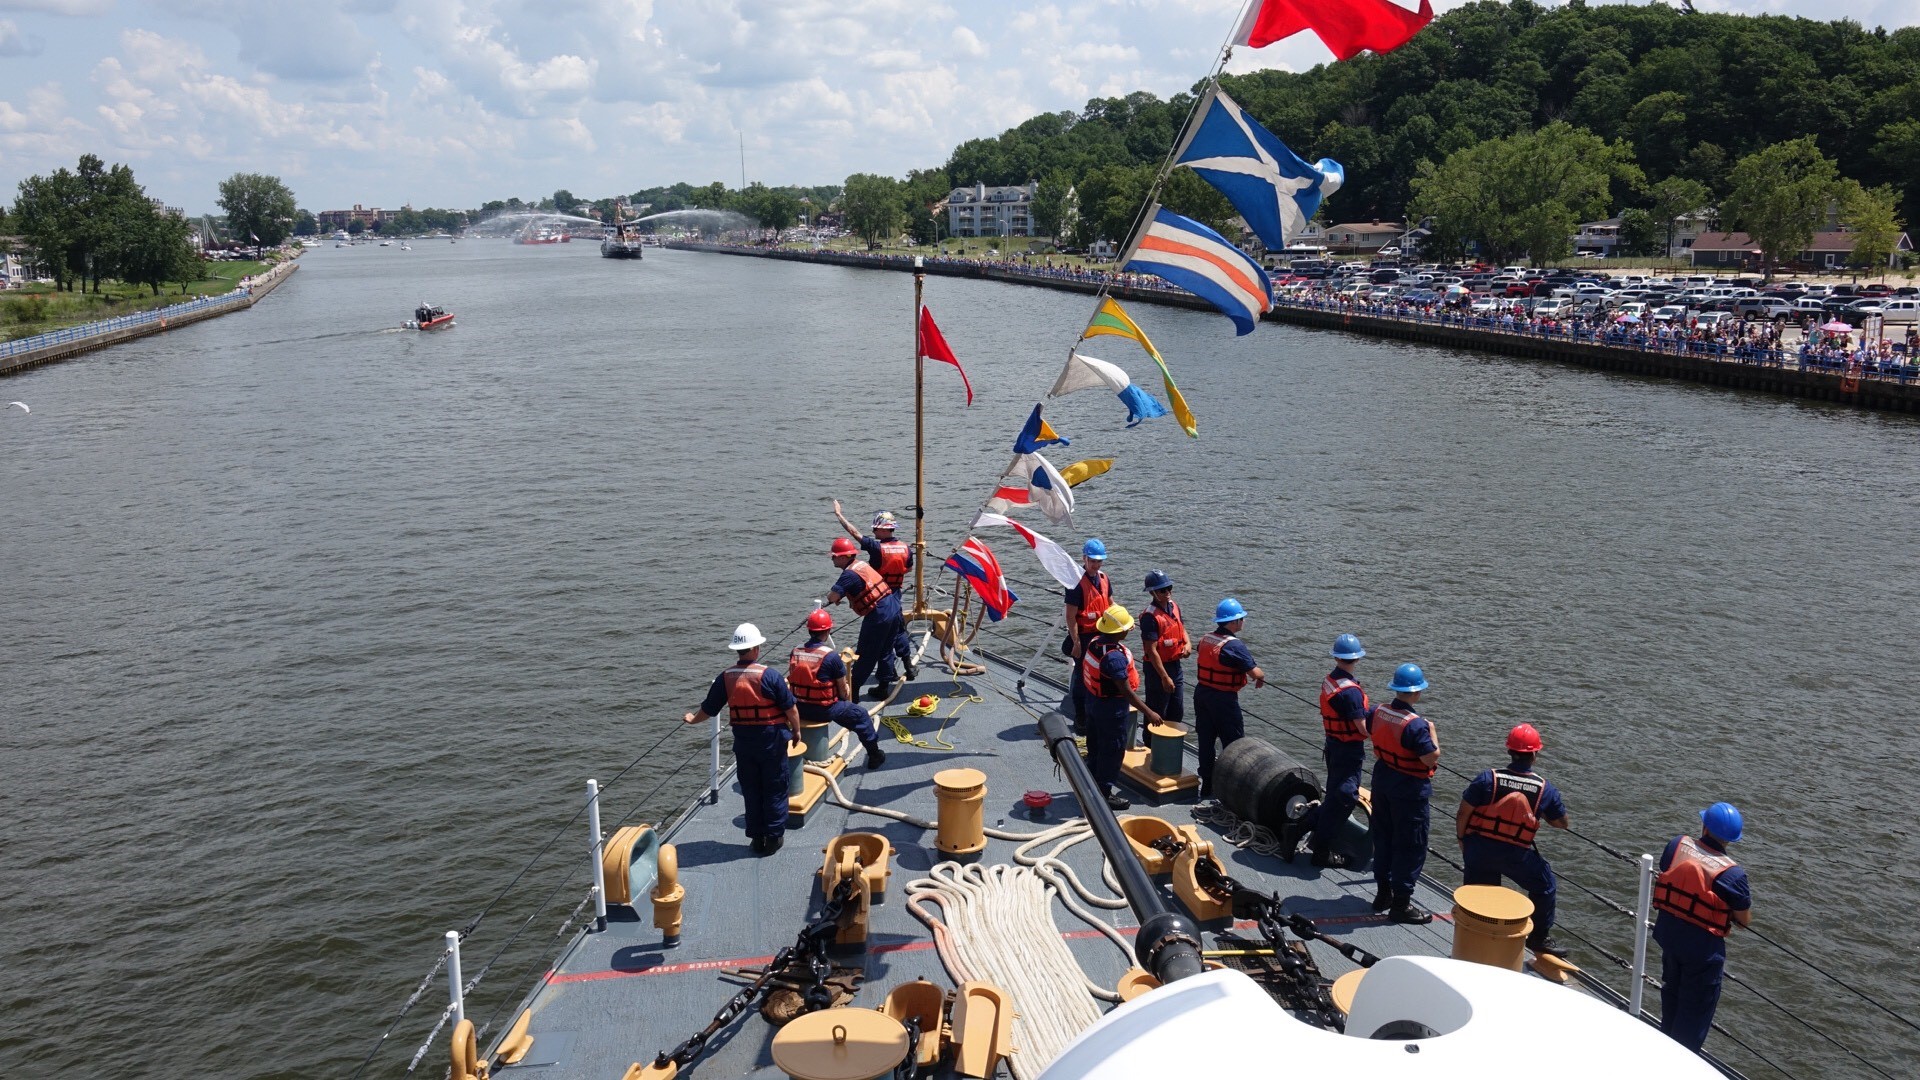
(1172, 642)
(873, 588)
(892, 562)
(1094, 681)
(803, 675)
(1337, 728)
(1388, 723)
(1685, 889)
(1512, 816)
(1096, 596)
(747, 701)
(1213, 674)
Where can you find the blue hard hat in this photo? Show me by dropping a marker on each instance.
(1093, 549)
(1158, 579)
(1347, 647)
(1722, 822)
(1229, 610)
(1408, 679)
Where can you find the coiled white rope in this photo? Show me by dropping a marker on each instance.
(999, 928)
(1241, 834)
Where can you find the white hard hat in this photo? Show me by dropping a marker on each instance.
(746, 636)
(884, 520)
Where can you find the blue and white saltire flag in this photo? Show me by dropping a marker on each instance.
(1274, 190)
(1088, 373)
(1193, 257)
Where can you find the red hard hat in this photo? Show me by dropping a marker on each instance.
(844, 545)
(1524, 739)
(821, 619)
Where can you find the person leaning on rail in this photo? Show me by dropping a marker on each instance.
(1499, 814)
(1344, 715)
(1701, 894)
(1406, 751)
(765, 722)
(1224, 666)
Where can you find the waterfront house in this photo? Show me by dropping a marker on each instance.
(991, 211)
(1828, 250)
(369, 217)
(1598, 236)
(1362, 237)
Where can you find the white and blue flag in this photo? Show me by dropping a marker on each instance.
(1274, 190)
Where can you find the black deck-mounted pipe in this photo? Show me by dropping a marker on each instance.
(1169, 942)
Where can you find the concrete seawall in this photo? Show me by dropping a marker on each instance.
(86, 338)
(1865, 393)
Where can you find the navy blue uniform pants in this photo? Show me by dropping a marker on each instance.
(845, 713)
(1689, 994)
(760, 757)
(1345, 760)
(1216, 724)
(880, 641)
(1165, 698)
(1401, 816)
(1487, 861)
(1107, 721)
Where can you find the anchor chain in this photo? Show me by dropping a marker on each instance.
(805, 961)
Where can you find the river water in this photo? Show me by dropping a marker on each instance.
(315, 628)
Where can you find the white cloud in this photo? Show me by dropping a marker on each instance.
(15, 43)
(968, 43)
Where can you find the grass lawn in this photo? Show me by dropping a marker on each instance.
(38, 308)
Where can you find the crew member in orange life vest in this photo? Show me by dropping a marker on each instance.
(1112, 681)
(765, 723)
(883, 631)
(893, 558)
(818, 678)
(1343, 716)
(1701, 894)
(1086, 602)
(1163, 643)
(1405, 752)
(1498, 816)
(1223, 665)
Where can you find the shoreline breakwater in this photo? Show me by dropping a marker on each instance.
(1779, 372)
(30, 352)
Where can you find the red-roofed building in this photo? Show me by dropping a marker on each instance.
(1829, 250)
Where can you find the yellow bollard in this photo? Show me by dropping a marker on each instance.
(667, 895)
(962, 795)
(1490, 925)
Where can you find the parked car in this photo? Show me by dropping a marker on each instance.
(1671, 313)
(1900, 310)
(1809, 307)
(1635, 308)
(1762, 307)
(1711, 319)
(1557, 307)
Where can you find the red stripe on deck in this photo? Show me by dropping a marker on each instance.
(561, 978)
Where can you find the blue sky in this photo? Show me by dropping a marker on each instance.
(451, 102)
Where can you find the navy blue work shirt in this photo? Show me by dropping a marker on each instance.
(772, 683)
(1690, 942)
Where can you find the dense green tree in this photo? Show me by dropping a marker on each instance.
(1673, 197)
(1780, 196)
(1050, 204)
(873, 205)
(1872, 216)
(1642, 233)
(259, 208)
(355, 227)
(564, 202)
(1523, 195)
(305, 224)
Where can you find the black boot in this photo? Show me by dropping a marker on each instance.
(757, 844)
(1290, 836)
(1117, 801)
(913, 669)
(771, 845)
(1330, 860)
(881, 692)
(1382, 899)
(876, 757)
(1544, 944)
(1404, 911)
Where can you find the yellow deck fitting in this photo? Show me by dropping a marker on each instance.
(466, 1054)
(872, 851)
(962, 795)
(650, 1071)
(516, 1042)
(1344, 988)
(923, 1001)
(982, 1028)
(667, 894)
(1164, 748)
(628, 847)
(813, 788)
(840, 1044)
(1490, 925)
(1186, 884)
(1142, 830)
(1552, 968)
(1135, 982)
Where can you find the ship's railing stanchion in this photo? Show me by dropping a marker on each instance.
(454, 991)
(1642, 910)
(599, 871)
(1047, 640)
(713, 772)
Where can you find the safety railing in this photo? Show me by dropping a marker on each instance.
(104, 327)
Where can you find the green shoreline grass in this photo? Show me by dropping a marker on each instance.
(115, 298)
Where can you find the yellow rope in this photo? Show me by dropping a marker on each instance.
(897, 725)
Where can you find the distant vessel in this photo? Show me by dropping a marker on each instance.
(618, 243)
(429, 317)
(386, 243)
(542, 235)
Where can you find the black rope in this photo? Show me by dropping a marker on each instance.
(1757, 992)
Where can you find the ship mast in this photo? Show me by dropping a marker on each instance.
(921, 612)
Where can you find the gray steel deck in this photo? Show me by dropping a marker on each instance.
(618, 997)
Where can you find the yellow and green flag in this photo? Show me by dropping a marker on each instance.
(1112, 319)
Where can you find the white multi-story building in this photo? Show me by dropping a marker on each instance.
(991, 211)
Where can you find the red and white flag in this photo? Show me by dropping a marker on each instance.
(1348, 27)
(1059, 565)
(933, 346)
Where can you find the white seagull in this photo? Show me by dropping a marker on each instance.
(22, 404)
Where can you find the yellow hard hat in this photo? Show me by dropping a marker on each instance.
(1114, 620)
